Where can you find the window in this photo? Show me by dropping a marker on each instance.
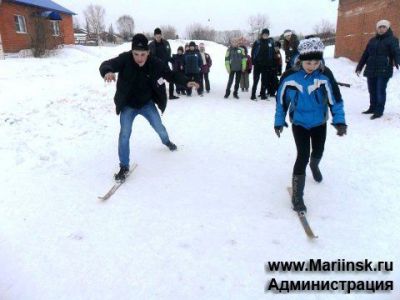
(20, 25)
(55, 25)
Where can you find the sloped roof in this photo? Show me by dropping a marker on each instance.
(47, 4)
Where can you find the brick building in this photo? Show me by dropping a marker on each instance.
(356, 24)
(17, 23)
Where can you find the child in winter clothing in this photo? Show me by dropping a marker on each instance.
(290, 45)
(193, 65)
(178, 65)
(276, 71)
(205, 68)
(244, 79)
(307, 91)
(235, 63)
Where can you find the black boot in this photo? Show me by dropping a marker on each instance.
(316, 173)
(298, 182)
(368, 111)
(121, 175)
(235, 95)
(253, 97)
(227, 94)
(376, 116)
(171, 146)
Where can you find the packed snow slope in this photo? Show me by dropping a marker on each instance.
(199, 223)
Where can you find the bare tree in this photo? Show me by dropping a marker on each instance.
(77, 24)
(168, 32)
(40, 37)
(324, 29)
(225, 37)
(111, 36)
(257, 23)
(149, 35)
(126, 26)
(94, 15)
(197, 31)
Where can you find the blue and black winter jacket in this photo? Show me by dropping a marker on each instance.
(193, 62)
(263, 52)
(307, 97)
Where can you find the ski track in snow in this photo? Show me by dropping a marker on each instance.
(199, 223)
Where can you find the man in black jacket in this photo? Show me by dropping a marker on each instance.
(263, 58)
(140, 86)
(160, 48)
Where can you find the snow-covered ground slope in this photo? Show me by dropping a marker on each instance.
(199, 223)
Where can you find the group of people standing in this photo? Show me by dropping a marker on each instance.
(306, 92)
(191, 61)
(265, 61)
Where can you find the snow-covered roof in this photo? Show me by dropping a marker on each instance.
(47, 4)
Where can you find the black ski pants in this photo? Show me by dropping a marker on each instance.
(302, 137)
(237, 75)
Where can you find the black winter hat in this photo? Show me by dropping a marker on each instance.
(265, 31)
(140, 42)
(157, 31)
(192, 44)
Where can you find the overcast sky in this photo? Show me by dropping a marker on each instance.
(298, 15)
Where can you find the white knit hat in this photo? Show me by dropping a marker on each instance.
(385, 23)
(311, 48)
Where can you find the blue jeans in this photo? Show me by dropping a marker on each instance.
(377, 93)
(128, 114)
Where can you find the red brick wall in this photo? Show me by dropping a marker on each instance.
(14, 42)
(67, 29)
(357, 22)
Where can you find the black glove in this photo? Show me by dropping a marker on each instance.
(279, 129)
(341, 129)
(249, 71)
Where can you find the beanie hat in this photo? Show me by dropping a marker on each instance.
(385, 23)
(140, 42)
(192, 44)
(287, 32)
(311, 48)
(180, 48)
(157, 31)
(265, 31)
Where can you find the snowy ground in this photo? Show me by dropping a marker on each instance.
(199, 223)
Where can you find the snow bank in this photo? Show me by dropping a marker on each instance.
(199, 223)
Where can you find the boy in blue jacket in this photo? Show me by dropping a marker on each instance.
(193, 65)
(307, 91)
